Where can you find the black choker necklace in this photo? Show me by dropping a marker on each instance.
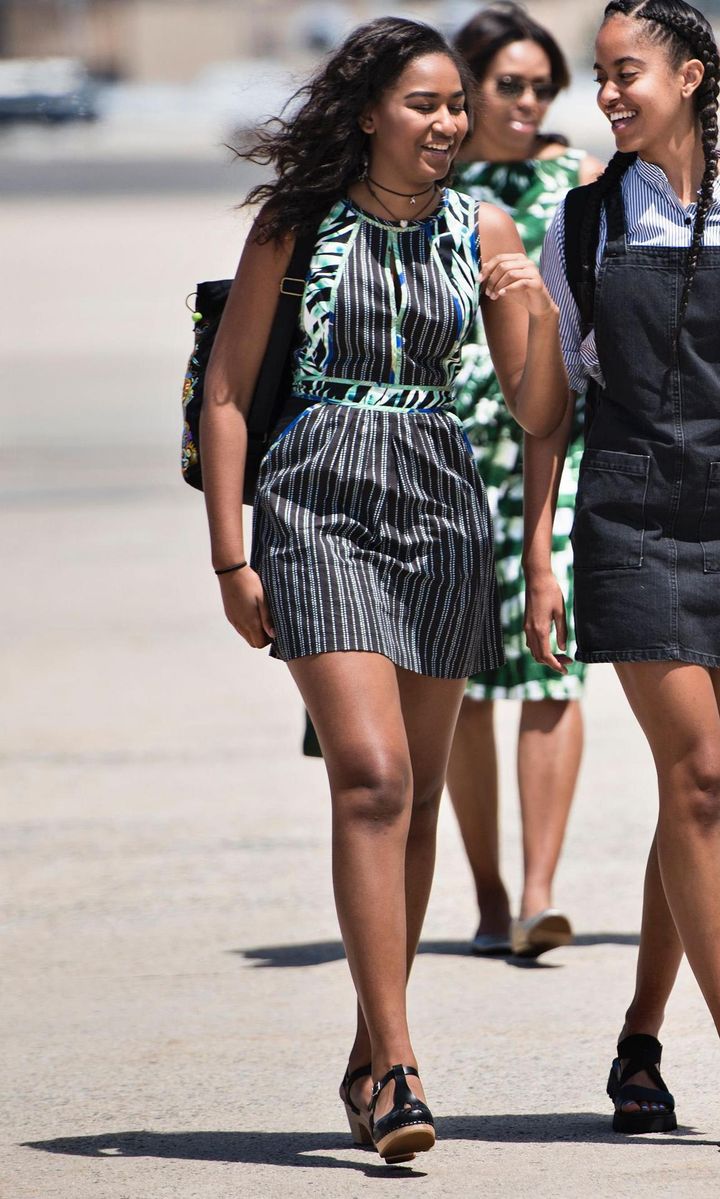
(404, 222)
(411, 196)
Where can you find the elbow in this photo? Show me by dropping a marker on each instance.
(222, 389)
(544, 424)
(219, 397)
(216, 394)
(540, 423)
(542, 419)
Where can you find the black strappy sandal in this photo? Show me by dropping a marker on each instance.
(359, 1121)
(408, 1128)
(642, 1052)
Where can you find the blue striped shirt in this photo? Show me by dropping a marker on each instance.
(654, 216)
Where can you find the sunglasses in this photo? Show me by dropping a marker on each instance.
(512, 87)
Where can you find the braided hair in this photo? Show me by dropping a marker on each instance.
(684, 32)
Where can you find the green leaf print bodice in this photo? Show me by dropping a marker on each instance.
(529, 191)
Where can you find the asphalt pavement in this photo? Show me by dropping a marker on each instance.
(177, 1010)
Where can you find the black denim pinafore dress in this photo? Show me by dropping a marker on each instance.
(646, 536)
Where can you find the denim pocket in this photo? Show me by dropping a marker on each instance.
(609, 527)
(710, 523)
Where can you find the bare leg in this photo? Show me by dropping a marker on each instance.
(550, 744)
(385, 736)
(677, 707)
(472, 781)
(659, 956)
(354, 703)
(430, 711)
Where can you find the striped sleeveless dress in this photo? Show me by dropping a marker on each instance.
(371, 527)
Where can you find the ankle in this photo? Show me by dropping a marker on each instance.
(492, 898)
(642, 1021)
(382, 1062)
(359, 1063)
(536, 897)
(361, 1051)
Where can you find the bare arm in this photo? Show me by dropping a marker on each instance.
(544, 602)
(229, 384)
(521, 326)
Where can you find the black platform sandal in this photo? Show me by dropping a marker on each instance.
(642, 1052)
(408, 1128)
(359, 1121)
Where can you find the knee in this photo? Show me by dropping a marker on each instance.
(427, 793)
(376, 794)
(697, 798)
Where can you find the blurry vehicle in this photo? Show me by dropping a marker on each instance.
(46, 89)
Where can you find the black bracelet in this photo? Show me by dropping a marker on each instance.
(227, 569)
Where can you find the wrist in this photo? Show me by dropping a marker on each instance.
(549, 315)
(231, 568)
(537, 567)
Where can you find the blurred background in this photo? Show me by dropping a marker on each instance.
(163, 83)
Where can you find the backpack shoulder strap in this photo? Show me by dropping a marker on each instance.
(581, 243)
(282, 334)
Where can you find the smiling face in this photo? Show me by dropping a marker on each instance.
(647, 99)
(513, 99)
(416, 127)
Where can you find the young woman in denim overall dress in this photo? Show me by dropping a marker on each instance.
(647, 527)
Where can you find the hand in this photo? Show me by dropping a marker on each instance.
(545, 607)
(515, 276)
(246, 607)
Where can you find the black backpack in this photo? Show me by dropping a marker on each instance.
(581, 244)
(272, 390)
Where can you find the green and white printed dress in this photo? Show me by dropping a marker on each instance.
(530, 191)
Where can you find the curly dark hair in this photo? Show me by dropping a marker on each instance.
(319, 149)
(685, 33)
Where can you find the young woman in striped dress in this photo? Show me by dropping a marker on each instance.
(508, 160)
(647, 525)
(372, 570)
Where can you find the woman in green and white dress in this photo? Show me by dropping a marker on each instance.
(508, 161)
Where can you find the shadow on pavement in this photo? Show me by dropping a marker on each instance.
(317, 953)
(551, 1128)
(258, 1148)
(314, 1148)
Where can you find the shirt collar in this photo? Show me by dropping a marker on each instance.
(656, 178)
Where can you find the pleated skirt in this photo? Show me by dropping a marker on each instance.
(372, 533)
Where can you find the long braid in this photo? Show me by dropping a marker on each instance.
(706, 98)
(683, 28)
(589, 230)
(611, 176)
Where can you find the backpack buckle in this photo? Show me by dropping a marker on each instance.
(291, 291)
